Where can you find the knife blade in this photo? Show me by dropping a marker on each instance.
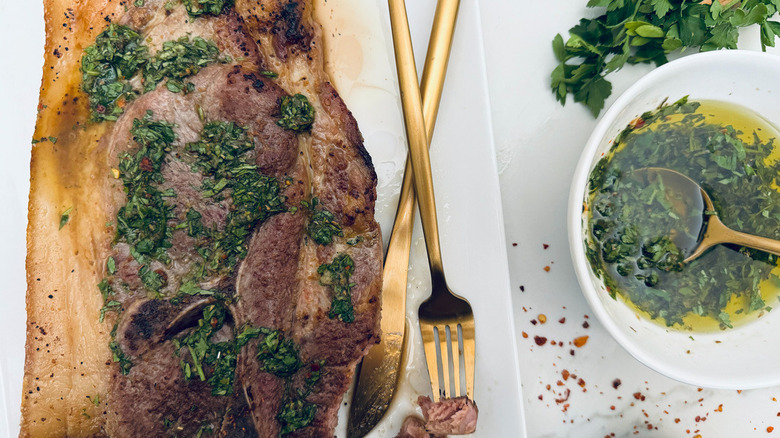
(379, 372)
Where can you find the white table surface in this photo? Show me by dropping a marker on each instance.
(538, 143)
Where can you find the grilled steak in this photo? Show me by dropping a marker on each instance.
(414, 427)
(223, 204)
(453, 416)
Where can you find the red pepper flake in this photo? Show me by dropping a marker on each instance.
(565, 374)
(548, 386)
(637, 123)
(564, 397)
(514, 244)
(525, 335)
(554, 343)
(639, 396)
(546, 269)
(542, 318)
(612, 407)
(581, 382)
(559, 383)
(585, 324)
(522, 288)
(579, 342)
(616, 383)
(540, 397)
(571, 352)
(545, 246)
(770, 429)
(540, 340)
(562, 320)
(534, 322)
(719, 408)
(676, 420)
(146, 164)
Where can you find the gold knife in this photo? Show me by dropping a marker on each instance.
(378, 376)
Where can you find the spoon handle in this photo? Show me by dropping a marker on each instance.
(720, 233)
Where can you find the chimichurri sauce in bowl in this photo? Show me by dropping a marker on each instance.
(640, 231)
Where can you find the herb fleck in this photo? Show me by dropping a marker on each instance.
(337, 275)
(297, 114)
(65, 217)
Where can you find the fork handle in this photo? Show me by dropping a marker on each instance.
(416, 136)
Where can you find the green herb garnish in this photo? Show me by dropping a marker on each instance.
(337, 275)
(322, 224)
(278, 355)
(223, 157)
(107, 66)
(646, 31)
(125, 364)
(177, 60)
(65, 217)
(196, 8)
(217, 359)
(297, 114)
(143, 221)
(296, 414)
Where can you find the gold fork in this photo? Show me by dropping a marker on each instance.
(446, 320)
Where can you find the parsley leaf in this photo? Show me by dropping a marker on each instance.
(646, 31)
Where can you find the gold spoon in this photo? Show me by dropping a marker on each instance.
(713, 231)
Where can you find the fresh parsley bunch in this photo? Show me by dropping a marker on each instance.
(646, 31)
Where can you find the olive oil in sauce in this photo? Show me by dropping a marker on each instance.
(639, 233)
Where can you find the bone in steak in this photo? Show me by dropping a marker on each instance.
(231, 233)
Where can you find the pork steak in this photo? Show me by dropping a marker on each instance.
(222, 201)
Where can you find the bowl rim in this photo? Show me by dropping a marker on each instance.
(575, 229)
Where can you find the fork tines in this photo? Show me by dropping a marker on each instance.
(449, 352)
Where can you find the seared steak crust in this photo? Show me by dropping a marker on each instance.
(146, 379)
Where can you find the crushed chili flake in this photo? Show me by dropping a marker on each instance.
(562, 320)
(565, 374)
(540, 340)
(639, 396)
(514, 244)
(533, 321)
(676, 420)
(579, 342)
(522, 288)
(525, 335)
(542, 318)
(719, 408)
(547, 269)
(770, 429)
(585, 324)
(616, 383)
(564, 397)
(581, 382)
(545, 246)
(612, 407)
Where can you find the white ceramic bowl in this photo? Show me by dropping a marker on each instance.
(747, 356)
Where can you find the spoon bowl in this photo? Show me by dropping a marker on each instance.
(690, 195)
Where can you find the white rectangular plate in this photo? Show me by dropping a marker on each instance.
(360, 52)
